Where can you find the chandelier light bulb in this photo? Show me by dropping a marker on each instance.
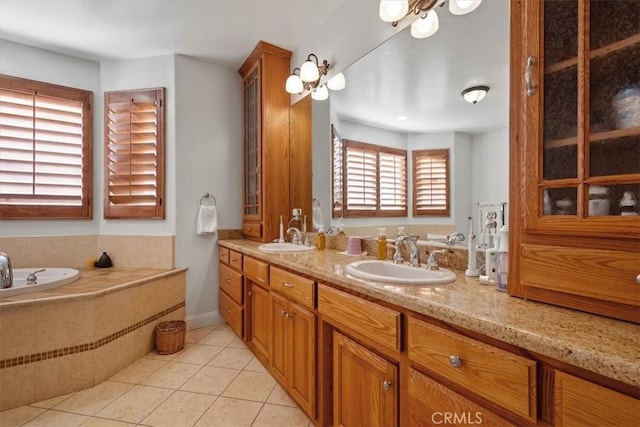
(294, 84)
(425, 26)
(337, 82)
(309, 71)
(320, 93)
(462, 7)
(393, 10)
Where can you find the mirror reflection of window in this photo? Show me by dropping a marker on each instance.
(431, 182)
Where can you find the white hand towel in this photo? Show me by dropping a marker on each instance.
(207, 220)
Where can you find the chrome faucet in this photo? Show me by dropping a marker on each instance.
(6, 271)
(413, 251)
(297, 238)
(432, 263)
(454, 238)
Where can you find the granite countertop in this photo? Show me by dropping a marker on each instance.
(602, 345)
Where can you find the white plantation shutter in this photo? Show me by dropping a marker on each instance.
(431, 182)
(393, 181)
(362, 174)
(134, 154)
(45, 150)
(337, 155)
(375, 180)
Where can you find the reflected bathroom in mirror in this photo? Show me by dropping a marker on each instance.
(407, 94)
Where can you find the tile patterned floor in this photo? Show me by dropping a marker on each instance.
(215, 381)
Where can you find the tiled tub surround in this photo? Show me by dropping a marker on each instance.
(81, 251)
(75, 336)
(601, 345)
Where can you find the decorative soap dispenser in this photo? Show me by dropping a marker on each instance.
(104, 261)
(382, 243)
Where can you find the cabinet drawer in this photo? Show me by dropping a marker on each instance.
(257, 271)
(431, 403)
(231, 283)
(292, 286)
(235, 260)
(377, 323)
(497, 375)
(224, 255)
(231, 312)
(252, 229)
(580, 402)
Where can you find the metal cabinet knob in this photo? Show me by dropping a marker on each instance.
(287, 315)
(386, 385)
(455, 361)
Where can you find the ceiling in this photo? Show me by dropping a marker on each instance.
(423, 78)
(418, 78)
(223, 31)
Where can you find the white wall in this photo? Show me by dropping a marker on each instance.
(372, 135)
(321, 157)
(208, 104)
(37, 64)
(461, 179)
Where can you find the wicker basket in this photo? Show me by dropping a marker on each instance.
(170, 336)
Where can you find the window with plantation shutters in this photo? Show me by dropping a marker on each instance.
(375, 180)
(431, 182)
(134, 154)
(45, 150)
(337, 187)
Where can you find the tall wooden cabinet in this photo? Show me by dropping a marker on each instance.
(575, 154)
(266, 141)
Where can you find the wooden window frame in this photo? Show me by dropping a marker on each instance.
(83, 209)
(378, 211)
(124, 209)
(446, 211)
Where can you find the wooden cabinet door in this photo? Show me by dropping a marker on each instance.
(582, 403)
(365, 386)
(302, 372)
(279, 349)
(432, 404)
(260, 334)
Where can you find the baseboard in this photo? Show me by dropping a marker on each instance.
(205, 319)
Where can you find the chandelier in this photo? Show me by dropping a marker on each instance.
(428, 23)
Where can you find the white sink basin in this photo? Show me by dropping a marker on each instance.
(387, 271)
(284, 247)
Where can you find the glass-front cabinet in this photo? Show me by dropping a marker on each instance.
(575, 150)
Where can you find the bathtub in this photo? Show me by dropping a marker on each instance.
(49, 278)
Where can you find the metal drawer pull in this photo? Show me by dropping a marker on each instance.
(455, 361)
(287, 284)
(527, 75)
(386, 385)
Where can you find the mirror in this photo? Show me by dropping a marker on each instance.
(423, 79)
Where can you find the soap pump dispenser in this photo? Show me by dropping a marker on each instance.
(382, 243)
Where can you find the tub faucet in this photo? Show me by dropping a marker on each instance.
(413, 251)
(6, 272)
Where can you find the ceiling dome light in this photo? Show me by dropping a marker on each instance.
(475, 94)
(294, 84)
(393, 10)
(309, 71)
(462, 7)
(337, 82)
(425, 26)
(320, 93)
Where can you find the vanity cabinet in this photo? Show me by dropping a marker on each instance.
(266, 141)
(365, 386)
(493, 374)
(258, 333)
(230, 294)
(293, 359)
(575, 154)
(580, 402)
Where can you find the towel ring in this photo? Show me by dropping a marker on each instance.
(207, 196)
(316, 203)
